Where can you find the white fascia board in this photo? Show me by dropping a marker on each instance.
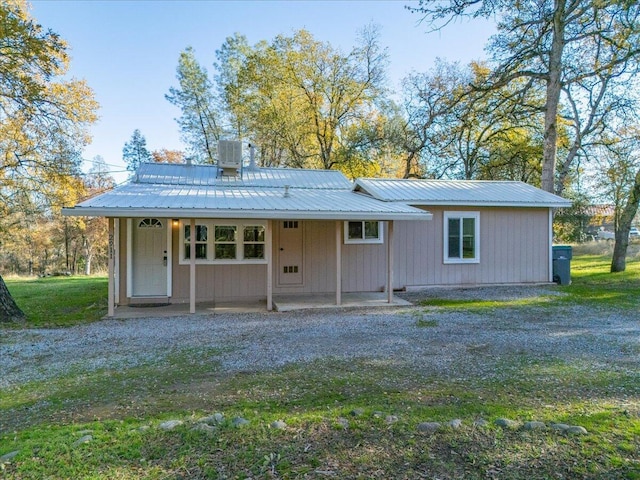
(422, 203)
(241, 214)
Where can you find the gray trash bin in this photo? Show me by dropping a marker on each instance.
(562, 264)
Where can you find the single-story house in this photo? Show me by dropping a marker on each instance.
(199, 233)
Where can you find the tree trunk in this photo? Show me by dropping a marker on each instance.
(408, 164)
(554, 85)
(9, 311)
(619, 259)
(87, 265)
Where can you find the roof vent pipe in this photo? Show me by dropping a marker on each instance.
(286, 191)
(252, 158)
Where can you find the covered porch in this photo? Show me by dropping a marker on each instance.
(281, 303)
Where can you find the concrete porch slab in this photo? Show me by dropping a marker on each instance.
(182, 309)
(281, 303)
(286, 303)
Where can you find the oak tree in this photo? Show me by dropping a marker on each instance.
(551, 44)
(300, 98)
(43, 118)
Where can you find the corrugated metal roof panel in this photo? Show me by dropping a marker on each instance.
(181, 174)
(459, 192)
(242, 202)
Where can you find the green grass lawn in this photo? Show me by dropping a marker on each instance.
(60, 301)
(122, 410)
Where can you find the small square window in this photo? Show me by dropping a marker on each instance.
(355, 230)
(366, 231)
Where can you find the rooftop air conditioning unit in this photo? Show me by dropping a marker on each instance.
(229, 156)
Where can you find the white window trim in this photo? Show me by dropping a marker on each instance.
(211, 224)
(348, 240)
(445, 236)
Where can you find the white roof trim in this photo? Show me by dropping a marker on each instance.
(120, 212)
(177, 201)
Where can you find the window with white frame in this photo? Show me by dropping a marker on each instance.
(225, 242)
(201, 243)
(365, 231)
(253, 242)
(461, 237)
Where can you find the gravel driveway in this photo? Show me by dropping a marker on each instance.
(459, 345)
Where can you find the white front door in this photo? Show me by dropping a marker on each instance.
(149, 266)
(290, 253)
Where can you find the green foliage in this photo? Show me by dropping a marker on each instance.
(199, 123)
(303, 102)
(135, 151)
(69, 300)
(579, 58)
(570, 225)
(43, 117)
(44, 120)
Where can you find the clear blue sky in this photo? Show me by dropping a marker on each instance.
(128, 51)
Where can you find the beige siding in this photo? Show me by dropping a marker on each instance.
(514, 248)
(364, 267)
(220, 282)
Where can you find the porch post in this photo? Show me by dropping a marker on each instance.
(550, 245)
(111, 265)
(169, 256)
(338, 263)
(269, 254)
(116, 259)
(192, 266)
(390, 261)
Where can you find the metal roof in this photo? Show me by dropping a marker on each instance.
(459, 193)
(181, 174)
(232, 201)
(178, 191)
